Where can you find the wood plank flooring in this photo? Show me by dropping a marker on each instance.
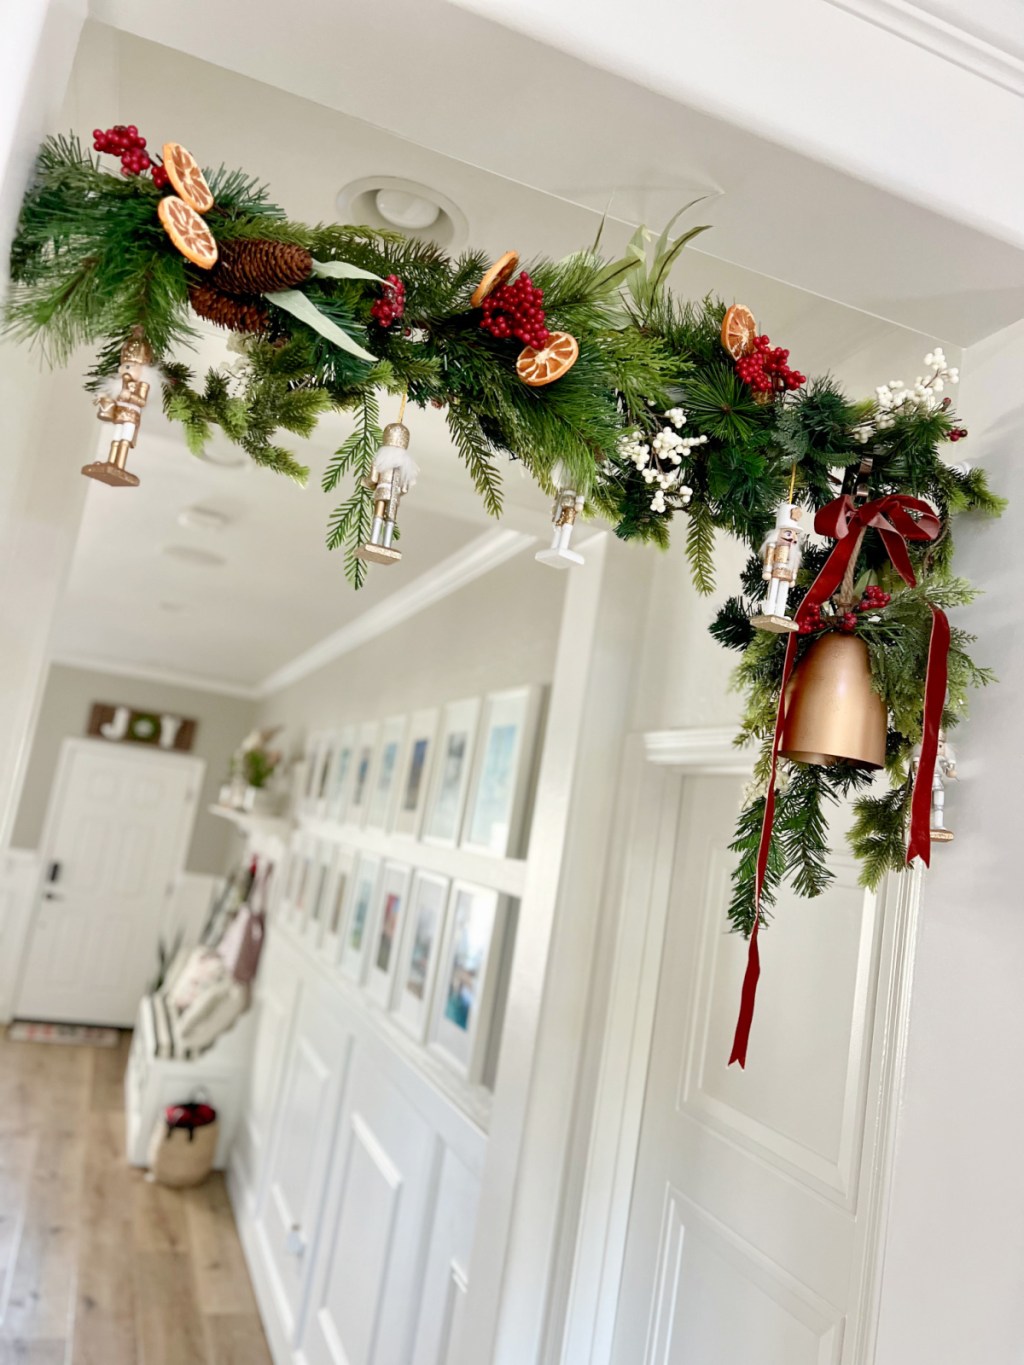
(97, 1265)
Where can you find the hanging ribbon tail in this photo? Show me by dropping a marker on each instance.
(920, 842)
(747, 997)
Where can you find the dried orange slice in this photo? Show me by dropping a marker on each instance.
(544, 367)
(187, 231)
(498, 274)
(739, 328)
(184, 174)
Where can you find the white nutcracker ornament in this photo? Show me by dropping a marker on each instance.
(394, 473)
(125, 412)
(780, 556)
(567, 507)
(945, 771)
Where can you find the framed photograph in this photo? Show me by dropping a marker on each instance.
(414, 777)
(314, 753)
(322, 774)
(316, 908)
(420, 950)
(300, 876)
(362, 772)
(392, 899)
(335, 902)
(359, 920)
(499, 789)
(468, 978)
(341, 774)
(385, 773)
(450, 776)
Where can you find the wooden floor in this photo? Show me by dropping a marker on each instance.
(97, 1265)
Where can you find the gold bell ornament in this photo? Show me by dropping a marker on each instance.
(945, 771)
(567, 507)
(832, 712)
(394, 473)
(125, 412)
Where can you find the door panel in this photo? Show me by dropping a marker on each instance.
(116, 835)
(742, 1238)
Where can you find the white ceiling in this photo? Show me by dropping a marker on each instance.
(278, 592)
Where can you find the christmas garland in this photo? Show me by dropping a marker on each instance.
(591, 373)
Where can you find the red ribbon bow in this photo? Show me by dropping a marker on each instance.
(897, 519)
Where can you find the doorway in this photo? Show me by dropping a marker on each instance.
(117, 829)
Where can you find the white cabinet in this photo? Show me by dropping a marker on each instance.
(304, 1130)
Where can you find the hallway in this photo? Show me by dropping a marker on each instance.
(98, 1266)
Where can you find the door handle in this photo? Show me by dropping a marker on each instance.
(53, 872)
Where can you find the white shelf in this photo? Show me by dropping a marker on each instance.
(250, 822)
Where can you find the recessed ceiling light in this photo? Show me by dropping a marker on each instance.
(391, 201)
(203, 518)
(191, 554)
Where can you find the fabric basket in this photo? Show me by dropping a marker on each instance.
(184, 1145)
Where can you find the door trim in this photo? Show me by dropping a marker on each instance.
(657, 764)
(68, 750)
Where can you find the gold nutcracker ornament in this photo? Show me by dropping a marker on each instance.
(567, 507)
(780, 556)
(125, 412)
(394, 473)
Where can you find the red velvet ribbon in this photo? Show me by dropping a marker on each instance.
(893, 518)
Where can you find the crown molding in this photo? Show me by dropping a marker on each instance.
(953, 42)
(195, 681)
(707, 751)
(480, 556)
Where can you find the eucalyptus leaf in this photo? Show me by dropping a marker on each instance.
(296, 303)
(343, 270)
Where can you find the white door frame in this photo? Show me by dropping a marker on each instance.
(68, 750)
(656, 765)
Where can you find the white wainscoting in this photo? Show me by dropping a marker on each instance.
(355, 1181)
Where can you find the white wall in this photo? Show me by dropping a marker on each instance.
(64, 714)
(953, 1288)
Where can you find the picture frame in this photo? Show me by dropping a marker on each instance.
(299, 877)
(420, 952)
(320, 785)
(340, 778)
(449, 779)
(389, 923)
(362, 774)
(503, 766)
(336, 903)
(359, 917)
(316, 900)
(468, 978)
(414, 778)
(313, 753)
(386, 767)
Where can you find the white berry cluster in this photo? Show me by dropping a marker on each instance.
(895, 398)
(660, 461)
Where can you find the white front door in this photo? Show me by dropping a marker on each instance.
(756, 1192)
(115, 840)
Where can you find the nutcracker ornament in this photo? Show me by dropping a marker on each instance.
(945, 771)
(567, 507)
(125, 412)
(394, 473)
(780, 555)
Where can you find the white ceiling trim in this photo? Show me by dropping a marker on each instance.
(935, 34)
(479, 557)
(197, 682)
(707, 751)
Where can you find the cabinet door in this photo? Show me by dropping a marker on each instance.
(276, 993)
(380, 1207)
(305, 1122)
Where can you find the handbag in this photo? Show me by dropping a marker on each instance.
(184, 1144)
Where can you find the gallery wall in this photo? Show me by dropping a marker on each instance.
(64, 714)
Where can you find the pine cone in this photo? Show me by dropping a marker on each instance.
(260, 267)
(237, 314)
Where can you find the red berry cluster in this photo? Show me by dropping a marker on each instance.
(517, 310)
(766, 370)
(811, 620)
(125, 141)
(391, 304)
(958, 433)
(874, 598)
